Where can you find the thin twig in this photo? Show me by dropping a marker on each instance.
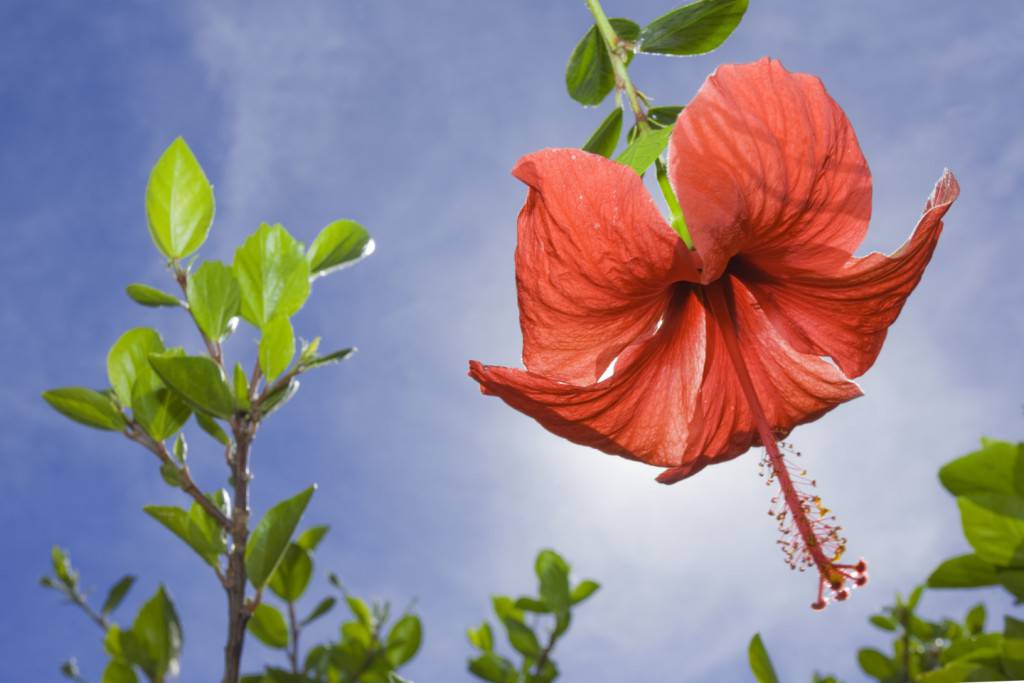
(135, 433)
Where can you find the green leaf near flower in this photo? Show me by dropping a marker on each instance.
(606, 137)
(693, 29)
(589, 76)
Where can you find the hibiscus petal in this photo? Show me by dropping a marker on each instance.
(641, 412)
(764, 161)
(845, 312)
(594, 263)
(792, 388)
(675, 399)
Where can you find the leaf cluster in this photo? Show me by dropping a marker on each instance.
(532, 625)
(150, 645)
(591, 73)
(369, 648)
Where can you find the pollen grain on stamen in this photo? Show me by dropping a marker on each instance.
(810, 534)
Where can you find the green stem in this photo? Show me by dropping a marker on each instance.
(616, 49)
(617, 54)
(678, 221)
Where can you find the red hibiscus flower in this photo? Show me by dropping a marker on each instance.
(639, 347)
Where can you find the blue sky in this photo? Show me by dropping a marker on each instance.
(408, 117)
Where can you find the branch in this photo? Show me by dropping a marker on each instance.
(293, 651)
(135, 433)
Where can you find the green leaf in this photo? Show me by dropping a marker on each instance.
(161, 412)
(179, 202)
(519, 634)
(874, 663)
(86, 406)
(277, 347)
(150, 296)
(404, 640)
(532, 605)
(270, 538)
(693, 29)
(760, 663)
(339, 245)
(583, 590)
(997, 468)
(643, 151)
(118, 671)
(329, 359)
(180, 449)
(883, 622)
(273, 275)
(606, 138)
(322, 608)
(589, 76)
(491, 667)
(482, 638)
(311, 537)
(156, 631)
(975, 620)
(116, 594)
(171, 475)
(241, 386)
(964, 571)
(553, 576)
(112, 642)
(268, 624)
(291, 577)
(1013, 581)
(664, 116)
(973, 647)
(198, 380)
(360, 610)
(191, 528)
(657, 117)
(915, 597)
(214, 298)
(62, 568)
(158, 409)
(1012, 654)
(994, 526)
(211, 427)
(277, 398)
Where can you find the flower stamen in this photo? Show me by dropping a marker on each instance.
(810, 535)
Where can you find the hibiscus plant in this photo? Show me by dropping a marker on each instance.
(153, 392)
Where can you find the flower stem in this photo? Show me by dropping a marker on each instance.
(617, 53)
(678, 221)
(616, 48)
